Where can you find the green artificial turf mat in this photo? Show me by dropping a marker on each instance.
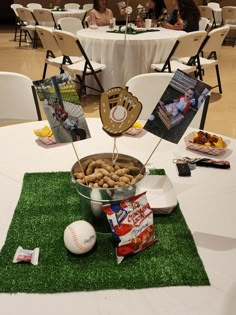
(48, 203)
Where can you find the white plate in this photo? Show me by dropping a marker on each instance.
(160, 193)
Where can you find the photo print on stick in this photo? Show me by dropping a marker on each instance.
(182, 99)
(62, 107)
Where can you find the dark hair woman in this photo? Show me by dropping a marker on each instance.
(100, 15)
(157, 10)
(185, 16)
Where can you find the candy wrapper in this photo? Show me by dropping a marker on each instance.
(131, 222)
(26, 255)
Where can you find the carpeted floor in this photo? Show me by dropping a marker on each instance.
(48, 203)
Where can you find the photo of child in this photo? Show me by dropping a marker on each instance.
(177, 107)
(62, 107)
(180, 104)
(172, 112)
(70, 123)
(59, 113)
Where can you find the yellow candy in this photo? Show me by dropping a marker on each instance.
(137, 125)
(37, 132)
(44, 132)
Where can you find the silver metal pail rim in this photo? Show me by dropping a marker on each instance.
(92, 199)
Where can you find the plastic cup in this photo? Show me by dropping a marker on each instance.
(112, 23)
(148, 23)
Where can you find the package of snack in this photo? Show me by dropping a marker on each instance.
(131, 222)
(26, 255)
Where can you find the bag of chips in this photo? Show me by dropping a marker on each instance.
(131, 222)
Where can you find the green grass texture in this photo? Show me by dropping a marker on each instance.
(48, 203)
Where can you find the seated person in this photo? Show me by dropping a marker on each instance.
(157, 10)
(185, 16)
(181, 104)
(100, 15)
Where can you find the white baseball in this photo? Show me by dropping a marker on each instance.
(118, 113)
(79, 237)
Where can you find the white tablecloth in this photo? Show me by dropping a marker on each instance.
(69, 13)
(207, 200)
(125, 60)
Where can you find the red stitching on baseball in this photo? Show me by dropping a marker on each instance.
(75, 239)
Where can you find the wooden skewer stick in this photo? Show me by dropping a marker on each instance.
(125, 42)
(144, 165)
(113, 152)
(78, 159)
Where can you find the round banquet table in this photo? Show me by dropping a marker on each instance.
(69, 13)
(207, 200)
(125, 60)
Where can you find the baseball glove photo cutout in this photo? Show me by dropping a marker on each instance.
(119, 109)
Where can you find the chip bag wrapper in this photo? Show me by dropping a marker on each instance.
(131, 222)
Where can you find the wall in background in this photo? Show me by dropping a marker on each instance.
(112, 4)
(6, 13)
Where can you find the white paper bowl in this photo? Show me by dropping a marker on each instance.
(160, 193)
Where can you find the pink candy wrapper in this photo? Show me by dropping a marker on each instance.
(26, 255)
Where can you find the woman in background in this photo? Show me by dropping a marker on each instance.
(100, 15)
(157, 10)
(185, 16)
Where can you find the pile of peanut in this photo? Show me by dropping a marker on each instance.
(104, 175)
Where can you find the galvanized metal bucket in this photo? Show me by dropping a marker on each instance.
(92, 199)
